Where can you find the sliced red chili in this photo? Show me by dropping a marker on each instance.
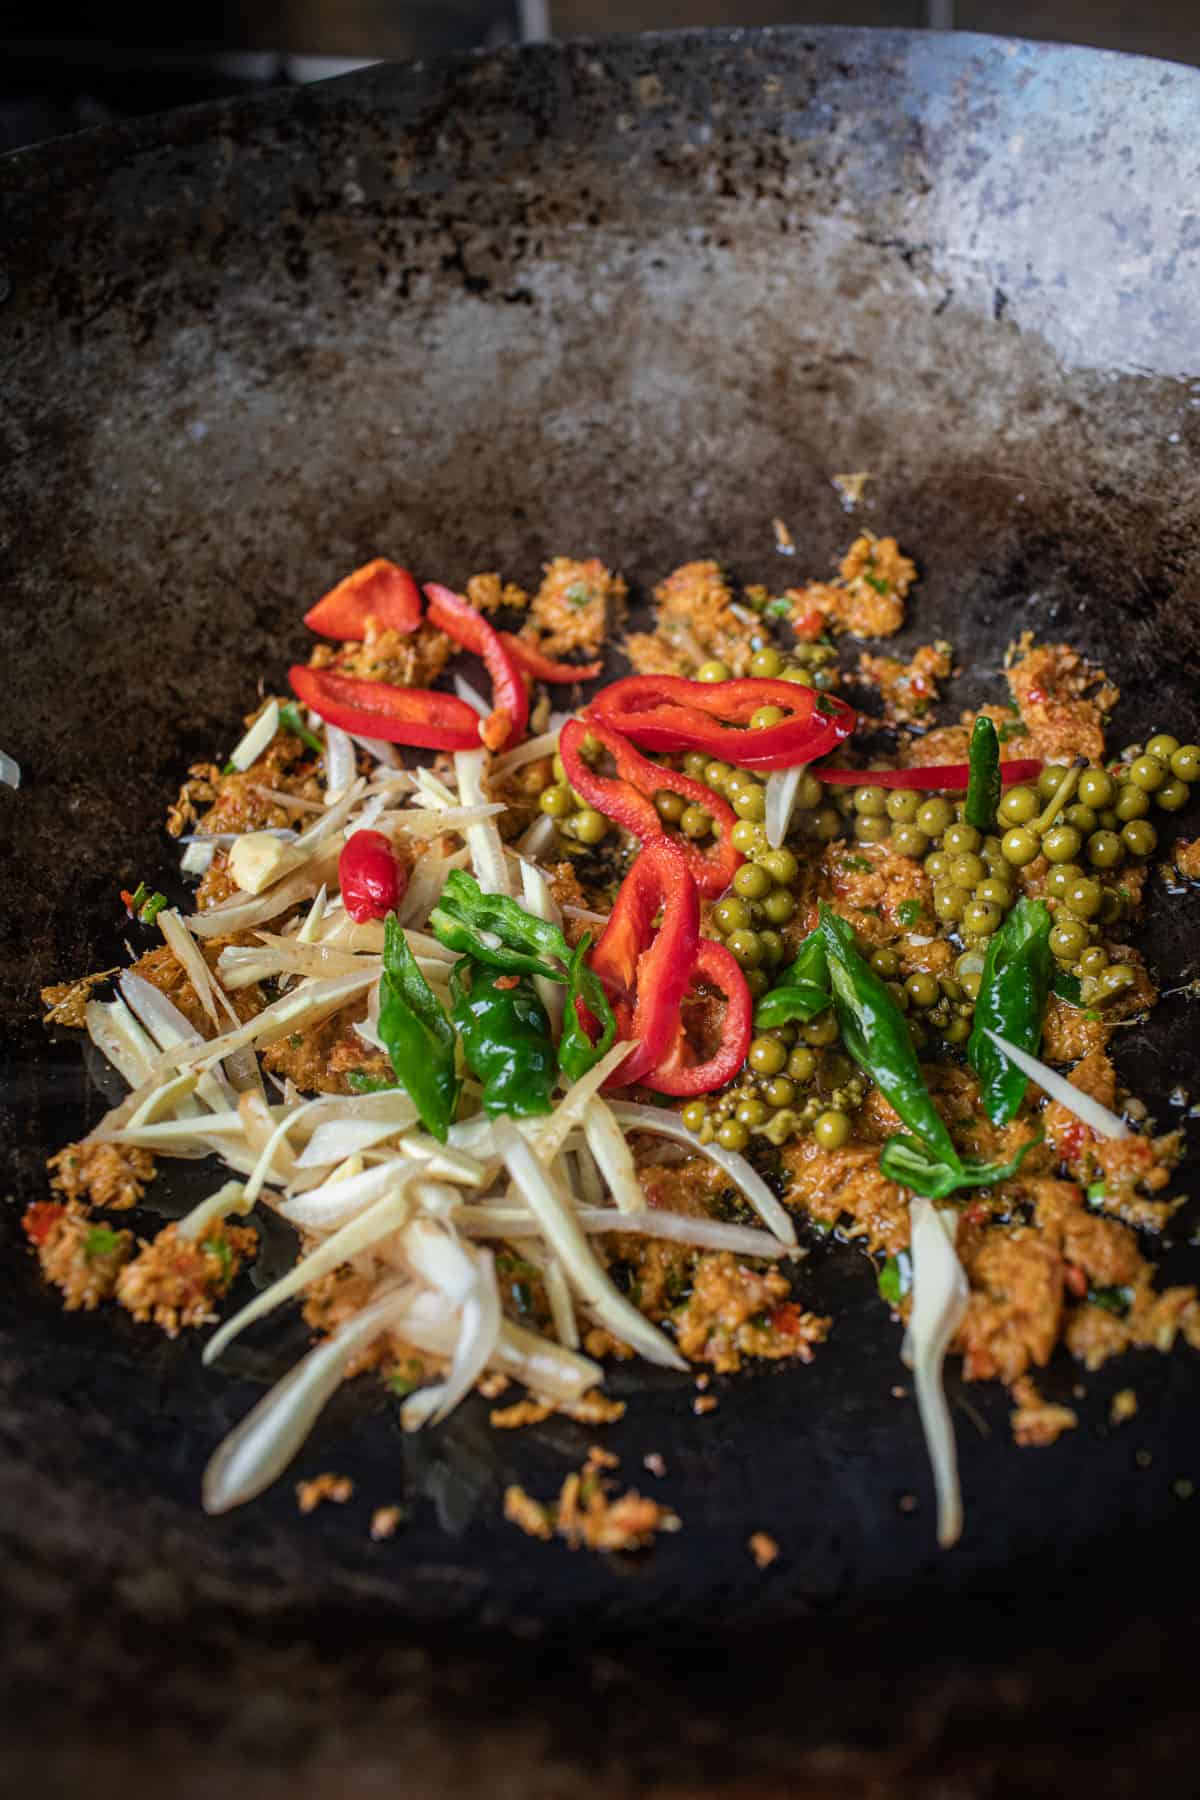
(627, 798)
(678, 1073)
(380, 591)
(371, 881)
(468, 627)
(40, 1218)
(416, 716)
(542, 668)
(646, 967)
(948, 776)
(668, 712)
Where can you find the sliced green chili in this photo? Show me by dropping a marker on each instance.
(906, 1160)
(983, 782)
(1116, 1300)
(418, 1036)
(875, 1033)
(802, 991)
(576, 1051)
(493, 929)
(101, 1241)
(1014, 989)
(506, 1039)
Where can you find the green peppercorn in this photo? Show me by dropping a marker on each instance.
(751, 1112)
(780, 866)
(1083, 898)
(923, 989)
(801, 677)
(871, 802)
(1094, 960)
(695, 822)
(821, 1031)
(908, 840)
(802, 1063)
(934, 816)
(1062, 844)
(1108, 820)
(1020, 846)
(752, 882)
(780, 1092)
(1096, 788)
(732, 1135)
(751, 804)
(669, 805)
(772, 948)
(744, 946)
(766, 715)
(1083, 818)
(1147, 772)
(1131, 803)
(1018, 805)
(731, 914)
(960, 839)
(831, 1130)
(1139, 837)
(1105, 850)
(767, 1056)
(695, 764)
(1162, 745)
(1114, 978)
(809, 793)
(948, 902)
(694, 1114)
(827, 824)
(1059, 878)
(899, 994)
(766, 662)
(1173, 795)
(1068, 939)
(972, 981)
(980, 918)
(957, 1031)
(758, 981)
(713, 671)
(1185, 763)
(555, 802)
(716, 774)
(903, 805)
(999, 892)
(589, 826)
(967, 870)
(1050, 780)
(1112, 907)
(747, 836)
(938, 865)
(779, 906)
(869, 830)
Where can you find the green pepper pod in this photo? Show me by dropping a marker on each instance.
(906, 1160)
(506, 1039)
(418, 1036)
(802, 991)
(983, 779)
(1014, 990)
(577, 1053)
(492, 929)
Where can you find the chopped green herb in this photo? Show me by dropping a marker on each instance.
(218, 1248)
(143, 905)
(778, 609)
(361, 1083)
(229, 769)
(1012, 728)
(1116, 1300)
(895, 1278)
(100, 1241)
(292, 719)
(857, 862)
(825, 705)
(406, 1377)
(877, 582)
(154, 905)
(908, 912)
(578, 594)
(1096, 1191)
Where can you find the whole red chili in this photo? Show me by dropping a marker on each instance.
(627, 799)
(372, 882)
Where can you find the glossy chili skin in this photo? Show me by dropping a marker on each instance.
(419, 1038)
(1013, 995)
(371, 881)
(646, 968)
(671, 713)
(506, 1038)
(416, 716)
(628, 798)
(679, 1074)
(984, 781)
(544, 668)
(380, 590)
(802, 991)
(468, 627)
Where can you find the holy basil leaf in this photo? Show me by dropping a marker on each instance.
(418, 1036)
(906, 1160)
(577, 1053)
(1014, 989)
(875, 1033)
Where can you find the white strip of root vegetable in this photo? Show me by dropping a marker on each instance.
(538, 839)
(668, 1124)
(551, 1134)
(426, 882)
(490, 1218)
(168, 1101)
(337, 1139)
(780, 803)
(467, 1278)
(305, 1005)
(939, 1301)
(121, 1040)
(609, 1146)
(562, 1307)
(186, 952)
(541, 903)
(341, 764)
(243, 913)
(1084, 1107)
(10, 770)
(483, 840)
(534, 749)
(251, 746)
(473, 698)
(561, 1230)
(379, 749)
(197, 858)
(258, 1450)
(231, 1198)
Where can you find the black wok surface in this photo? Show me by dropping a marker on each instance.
(632, 300)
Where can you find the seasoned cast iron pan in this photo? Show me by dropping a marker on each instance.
(632, 300)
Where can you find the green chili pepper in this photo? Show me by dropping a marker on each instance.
(801, 992)
(875, 1033)
(576, 1051)
(895, 1278)
(1013, 992)
(506, 1038)
(222, 1254)
(101, 1241)
(417, 1034)
(906, 1160)
(292, 719)
(1112, 1299)
(983, 782)
(493, 929)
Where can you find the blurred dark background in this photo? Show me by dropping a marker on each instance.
(64, 66)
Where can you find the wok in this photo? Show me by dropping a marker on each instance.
(632, 299)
